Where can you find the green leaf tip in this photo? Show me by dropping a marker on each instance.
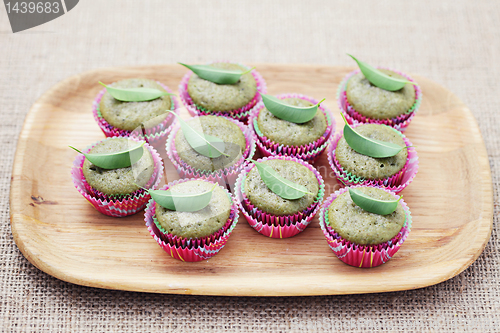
(204, 144)
(116, 160)
(380, 79)
(291, 113)
(372, 205)
(282, 187)
(216, 75)
(182, 202)
(140, 94)
(369, 147)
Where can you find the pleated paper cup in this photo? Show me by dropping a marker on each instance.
(271, 225)
(358, 255)
(153, 135)
(400, 122)
(121, 205)
(240, 114)
(189, 249)
(223, 176)
(395, 183)
(309, 152)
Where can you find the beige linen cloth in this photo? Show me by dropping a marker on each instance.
(455, 43)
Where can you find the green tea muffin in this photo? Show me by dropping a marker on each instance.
(358, 226)
(370, 167)
(377, 103)
(222, 97)
(289, 133)
(120, 181)
(264, 199)
(201, 223)
(130, 115)
(220, 127)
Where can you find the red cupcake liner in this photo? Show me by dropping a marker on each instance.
(224, 176)
(240, 114)
(152, 135)
(275, 226)
(116, 206)
(362, 255)
(400, 122)
(395, 183)
(189, 249)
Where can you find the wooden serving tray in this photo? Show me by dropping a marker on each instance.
(451, 201)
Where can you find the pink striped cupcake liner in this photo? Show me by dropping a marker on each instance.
(189, 249)
(152, 135)
(224, 176)
(240, 114)
(400, 122)
(275, 226)
(308, 152)
(116, 206)
(395, 183)
(362, 255)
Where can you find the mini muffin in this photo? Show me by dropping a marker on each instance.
(370, 167)
(376, 103)
(239, 145)
(193, 236)
(394, 172)
(117, 192)
(198, 224)
(222, 97)
(288, 133)
(119, 118)
(215, 126)
(269, 213)
(362, 102)
(259, 194)
(203, 97)
(358, 226)
(122, 181)
(281, 137)
(361, 238)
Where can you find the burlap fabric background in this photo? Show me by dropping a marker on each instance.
(456, 43)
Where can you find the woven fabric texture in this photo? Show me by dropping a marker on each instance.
(455, 43)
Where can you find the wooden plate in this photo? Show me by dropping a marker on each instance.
(56, 229)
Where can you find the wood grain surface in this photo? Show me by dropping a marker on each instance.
(451, 201)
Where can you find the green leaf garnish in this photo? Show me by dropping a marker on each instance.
(182, 202)
(279, 185)
(369, 147)
(204, 144)
(116, 160)
(379, 79)
(135, 94)
(372, 205)
(285, 111)
(216, 75)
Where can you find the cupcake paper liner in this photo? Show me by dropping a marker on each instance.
(152, 135)
(362, 255)
(240, 114)
(307, 152)
(395, 183)
(117, 206)
(224, 176)
(189, 249)
(275, 226)
(400, 122)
